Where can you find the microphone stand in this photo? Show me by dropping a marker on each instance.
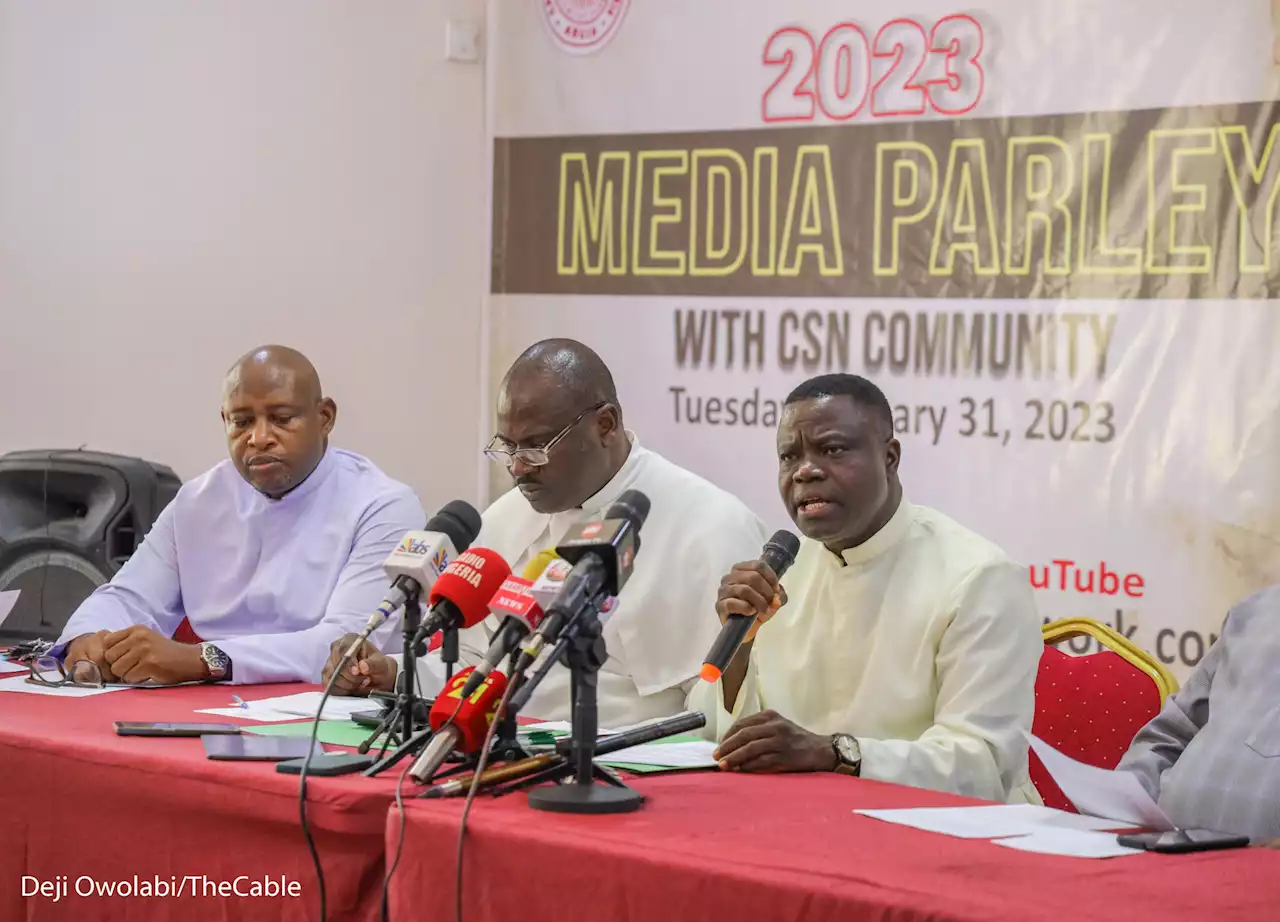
(415, 740)
(449, 650)
(585, 655)
(408, 710)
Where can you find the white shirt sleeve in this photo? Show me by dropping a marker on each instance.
(986, 671)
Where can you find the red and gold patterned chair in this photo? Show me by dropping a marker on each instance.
(1090, 707)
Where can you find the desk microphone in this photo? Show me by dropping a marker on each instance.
(420, 558)
(467, 730)
(522, 616)
(460, 597)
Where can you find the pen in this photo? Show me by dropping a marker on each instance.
(492, 776)
(238, 702)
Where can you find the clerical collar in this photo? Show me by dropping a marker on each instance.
(889, 534)
(318, 476)
(616, 485)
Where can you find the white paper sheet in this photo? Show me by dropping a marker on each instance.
(991, 822)
(262, 715)
(19, 684)
(1071, 843)
(667, 755)
(8, 599)
(291, 707)
(8, 666)
(1100, 792)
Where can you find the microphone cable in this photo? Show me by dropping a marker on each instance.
(386, 880)
(471, 793)
(302, 784)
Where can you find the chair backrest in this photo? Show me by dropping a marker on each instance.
(1090, 707)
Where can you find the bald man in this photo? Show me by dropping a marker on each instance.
(269, 556)
(561, 438)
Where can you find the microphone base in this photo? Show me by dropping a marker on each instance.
(571, 797)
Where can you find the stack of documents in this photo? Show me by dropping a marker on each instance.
(293, 707)
(671, 753)
(1107, 801)
(1022, 826)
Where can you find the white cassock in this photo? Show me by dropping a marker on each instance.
(922, 643)
(664, 621)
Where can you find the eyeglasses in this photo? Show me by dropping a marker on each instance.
(84, 673)
(534, 457)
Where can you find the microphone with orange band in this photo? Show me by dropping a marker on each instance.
(779, 554)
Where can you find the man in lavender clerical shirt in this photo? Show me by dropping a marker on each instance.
(269, 556)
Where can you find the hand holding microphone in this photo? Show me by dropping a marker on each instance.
(750, 594)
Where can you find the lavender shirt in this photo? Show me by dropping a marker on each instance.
(272, 582)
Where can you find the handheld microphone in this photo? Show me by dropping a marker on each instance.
(460, 597)
(420, 558)
(522, 616)
(465, 730)
(602, 553)
(778, 555)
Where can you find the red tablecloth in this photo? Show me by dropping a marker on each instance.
(733, 847)
(77, 800)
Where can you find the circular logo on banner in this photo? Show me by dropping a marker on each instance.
(584, 26)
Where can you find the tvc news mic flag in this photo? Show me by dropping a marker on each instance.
(1048, 235)
(520, 613)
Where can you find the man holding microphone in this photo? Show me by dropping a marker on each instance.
(899, 646)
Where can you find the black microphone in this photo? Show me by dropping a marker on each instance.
(645, 733)
(778, 555)
(603, 554)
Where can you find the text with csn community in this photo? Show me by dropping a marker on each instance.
(64, 886)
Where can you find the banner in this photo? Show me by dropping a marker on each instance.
(1051, 243)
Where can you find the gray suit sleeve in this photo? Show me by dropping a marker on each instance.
(1159, 744)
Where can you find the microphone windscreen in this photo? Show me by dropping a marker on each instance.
(469, 582)
(780, 552)
(460, 521)
(474, 713)
(632, 505)
(533, 569)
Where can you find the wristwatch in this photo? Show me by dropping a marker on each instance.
(848, 754)
(218, 662)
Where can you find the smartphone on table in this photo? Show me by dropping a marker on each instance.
(250, 747)
(1177, 841)
(145, 728)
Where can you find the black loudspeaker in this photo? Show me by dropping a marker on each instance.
(68, 521)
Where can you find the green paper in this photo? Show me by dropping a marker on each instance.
(542, 737)
(334, 732)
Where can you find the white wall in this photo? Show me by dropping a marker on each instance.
(182, 181)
